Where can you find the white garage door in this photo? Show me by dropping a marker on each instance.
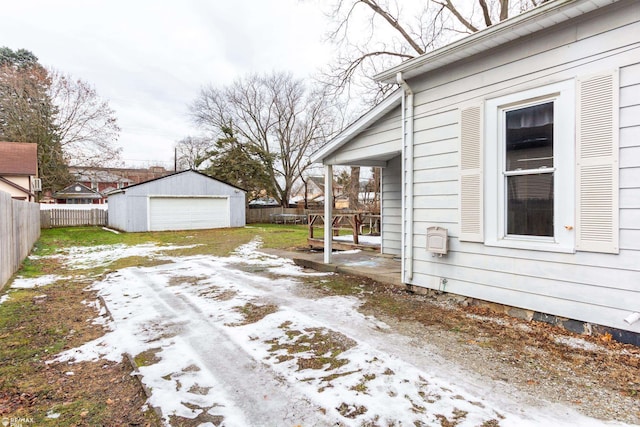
(188, 213)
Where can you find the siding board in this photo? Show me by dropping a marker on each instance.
(629, 198)
(629, 95)
(630, 240)
(630, 116)
(630, 157)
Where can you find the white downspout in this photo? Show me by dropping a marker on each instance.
(407, 180)
(328, 213)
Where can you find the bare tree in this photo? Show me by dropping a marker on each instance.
(64, 116)
(192, 151)
(86, 124)
(277, 114)
(374, 35)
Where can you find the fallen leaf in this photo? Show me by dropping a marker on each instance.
(606, 337)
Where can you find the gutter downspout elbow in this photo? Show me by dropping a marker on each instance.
(407, 179)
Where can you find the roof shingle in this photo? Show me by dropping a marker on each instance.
(18, 158)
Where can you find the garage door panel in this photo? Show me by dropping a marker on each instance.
(188, 213)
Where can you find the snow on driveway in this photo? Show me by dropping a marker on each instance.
(229, 341)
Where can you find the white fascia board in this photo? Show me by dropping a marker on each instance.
(539, 18)
(358, 126)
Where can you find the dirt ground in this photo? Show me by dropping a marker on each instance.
(595, 375)
(97, 393)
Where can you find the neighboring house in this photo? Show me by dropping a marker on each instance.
(19, 170)
(95, 176)
(77, 194)
(102, 181)
(106, 180)
(182, 201)
(522, 141)
(314, 192)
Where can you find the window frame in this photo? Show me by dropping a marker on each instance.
(562, 94)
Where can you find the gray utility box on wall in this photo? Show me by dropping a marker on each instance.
(437, 240)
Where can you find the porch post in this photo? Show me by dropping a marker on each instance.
(328, 213)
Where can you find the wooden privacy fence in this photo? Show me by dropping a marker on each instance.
(19, 230)
(265, 215)
(51, 218)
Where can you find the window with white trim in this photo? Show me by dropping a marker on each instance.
(539, 165)
(530, 179)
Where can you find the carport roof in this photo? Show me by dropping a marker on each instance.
(355, 128)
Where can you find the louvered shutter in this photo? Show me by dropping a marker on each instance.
(597, 164)
(471, 177)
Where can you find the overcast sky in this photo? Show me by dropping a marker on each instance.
(150, 58)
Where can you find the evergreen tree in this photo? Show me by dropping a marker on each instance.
(238, 164)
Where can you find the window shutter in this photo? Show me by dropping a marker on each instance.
(597, 164)
(471, 178)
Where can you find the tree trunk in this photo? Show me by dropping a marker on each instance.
(354, 188)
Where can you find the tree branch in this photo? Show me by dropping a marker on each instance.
(485, 13)
(394, 23)
(447, 4)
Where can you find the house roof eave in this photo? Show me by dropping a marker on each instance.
(539, 18)
(17, 186)
(358, 126)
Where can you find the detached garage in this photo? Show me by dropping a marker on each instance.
(185, 200)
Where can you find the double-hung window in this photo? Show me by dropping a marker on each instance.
(528, 170)
(530, 179)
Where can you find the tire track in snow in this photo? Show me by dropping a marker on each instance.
(259, 394)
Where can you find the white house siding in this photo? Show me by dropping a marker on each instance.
(593, 287)
(382, 138)
(392, 207)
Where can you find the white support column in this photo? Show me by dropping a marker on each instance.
(328, 213)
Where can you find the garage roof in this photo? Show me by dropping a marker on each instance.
(122, 190)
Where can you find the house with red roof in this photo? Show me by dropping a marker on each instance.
(19, 170)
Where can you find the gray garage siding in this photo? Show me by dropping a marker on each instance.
(128, 210)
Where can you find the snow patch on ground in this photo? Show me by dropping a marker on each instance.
(203, 356)
(575, 342)
(86, 257)
(36, 282)
(362, 239)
